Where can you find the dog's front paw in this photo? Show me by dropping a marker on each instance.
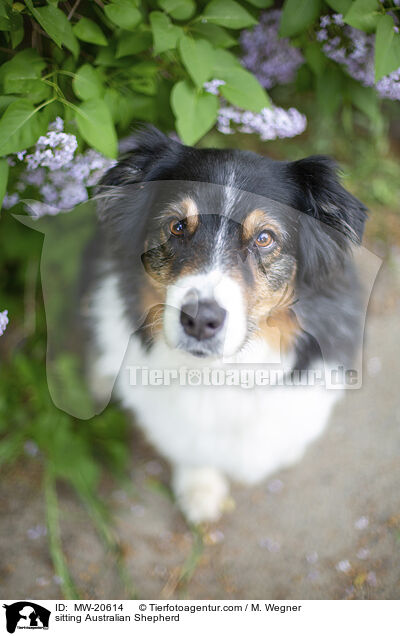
(200, 492)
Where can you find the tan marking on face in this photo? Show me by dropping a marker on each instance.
(152, 302)
(158, 278)
(191, 214)
(271, 312)
(186, 209)
(257, 221)
(285, 322)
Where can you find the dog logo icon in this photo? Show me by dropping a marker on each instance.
(26, 615)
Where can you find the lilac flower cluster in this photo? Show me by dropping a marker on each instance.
(270, 123)
(213, 86)
(53, 150)
(61, 177)
(272, 59)
(3, 321)
(355, 50)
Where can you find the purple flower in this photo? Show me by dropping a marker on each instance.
(53, 150)
(338, 19)
(325, 21)
(31, 448)
(10, 200)
(37, 531)
(3, 321)
(355, 50)
(343, 566)
(362, 523)
(322, 35)
(270, 123)
(62, 178)
(270, 544)
(371, 578)
(272, 59)
(212, 86)
(34, 177)
(57, 125)
(363, 554)
(312, 557)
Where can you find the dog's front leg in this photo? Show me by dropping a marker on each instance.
(200, 492)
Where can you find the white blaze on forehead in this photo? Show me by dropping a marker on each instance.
(230, 194)
(216, 285)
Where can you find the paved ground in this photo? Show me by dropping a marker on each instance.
(327, 528)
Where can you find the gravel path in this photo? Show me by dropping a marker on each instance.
(327, 528)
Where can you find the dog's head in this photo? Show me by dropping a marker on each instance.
(213, 244)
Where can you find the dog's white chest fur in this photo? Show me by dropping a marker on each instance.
(246, 433)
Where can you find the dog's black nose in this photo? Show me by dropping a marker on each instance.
(202, 319)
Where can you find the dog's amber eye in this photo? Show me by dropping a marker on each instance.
(176, 227)
(264, 239)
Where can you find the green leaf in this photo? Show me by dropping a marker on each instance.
(228, 13)
(137, 107)
(10, 20)
(87, 83)
(147, 68)
(3, 178)
(144, 85)
(6, 100)
(88, 31)
(21, 126)
(242, 89)
(261, 4)
(225, 61)
(106, 57)
(17, 36)
(363, 14)
(129, 44)
(214, 34)
(96, 126)
(198, 58)
(387, 48)
(195, 112)
(178, 9)
(144, 77)
(366, 99)
(340, 6)
(297, 15)
(56, 25)
(112, 98)
(20, 73)
(329, 90)
(124, 13)
(165, 34)
(315, 57)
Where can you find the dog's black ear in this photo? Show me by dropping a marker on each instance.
(125, 194)
(141, 153)
(331, 218)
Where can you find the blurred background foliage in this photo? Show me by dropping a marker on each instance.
(285, 79)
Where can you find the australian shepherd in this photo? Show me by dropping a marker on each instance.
(210, 264)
